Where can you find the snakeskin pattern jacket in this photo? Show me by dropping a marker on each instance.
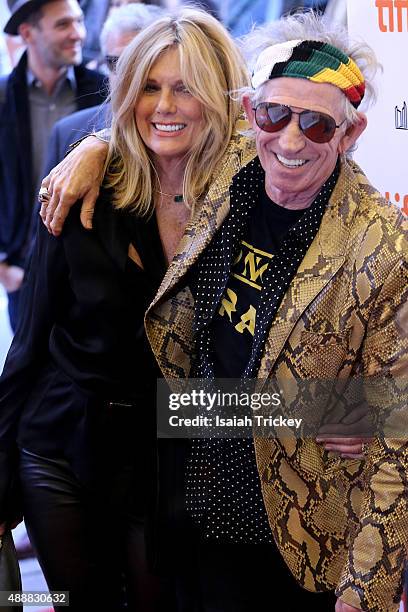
(338, 523)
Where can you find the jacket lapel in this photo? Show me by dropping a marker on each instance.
(207, 218)
(322, 261)
(112, 230)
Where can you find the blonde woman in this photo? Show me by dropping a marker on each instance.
(77, 396)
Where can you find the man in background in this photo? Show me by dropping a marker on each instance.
(48, 83)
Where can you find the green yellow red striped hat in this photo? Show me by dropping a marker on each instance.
(313, 60)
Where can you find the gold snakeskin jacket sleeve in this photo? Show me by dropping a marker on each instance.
(338, 523)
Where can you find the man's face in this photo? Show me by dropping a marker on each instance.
(296, 168)
(58, 37)
(114, 45)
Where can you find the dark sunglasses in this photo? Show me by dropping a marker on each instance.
(111, 61)
(316, 126)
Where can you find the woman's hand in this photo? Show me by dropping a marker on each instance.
(349, 436)
(352, 448)
(79, 175)
(343, 607)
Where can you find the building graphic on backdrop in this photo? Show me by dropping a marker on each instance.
(401, 123)
(401, 120)
(392, 15)
(383, 24)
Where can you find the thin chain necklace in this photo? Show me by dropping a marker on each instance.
(177, 197)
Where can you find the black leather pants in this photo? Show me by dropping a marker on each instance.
(87, 539)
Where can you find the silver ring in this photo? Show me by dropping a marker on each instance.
(43, 195)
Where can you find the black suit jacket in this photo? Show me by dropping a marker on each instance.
(16, 196)
(70, 129)
(80, 353)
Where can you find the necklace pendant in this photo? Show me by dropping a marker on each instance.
(178, 197)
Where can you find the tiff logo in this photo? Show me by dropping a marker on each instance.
(388, 10)
(401, 122)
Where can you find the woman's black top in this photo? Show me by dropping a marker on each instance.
(80, 370)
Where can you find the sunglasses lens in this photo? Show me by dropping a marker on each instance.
(318, 127)
(272, 117)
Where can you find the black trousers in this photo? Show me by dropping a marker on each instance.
(243, 578)
(220, 577)
(88, 541)
(92, 545)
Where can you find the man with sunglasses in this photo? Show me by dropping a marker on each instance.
(293, 268)
(300, 273)
(305, 279)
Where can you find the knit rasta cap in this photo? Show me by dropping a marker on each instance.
(313, 60)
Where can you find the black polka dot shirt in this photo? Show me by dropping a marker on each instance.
(223, 492)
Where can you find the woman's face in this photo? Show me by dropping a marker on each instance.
(169, 119)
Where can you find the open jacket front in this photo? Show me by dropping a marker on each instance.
(338, 523)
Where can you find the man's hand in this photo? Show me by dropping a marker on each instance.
(78, 176)
(11, 277)
(343, 607)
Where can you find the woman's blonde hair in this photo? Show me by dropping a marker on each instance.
(211, 67)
